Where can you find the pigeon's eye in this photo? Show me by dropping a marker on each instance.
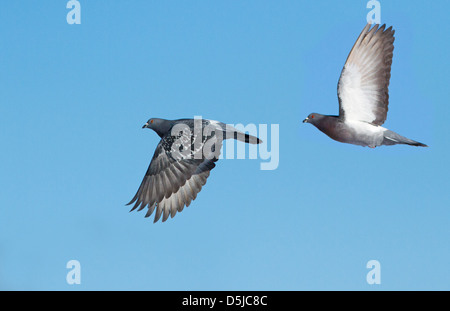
(151, 121)
(312, 116)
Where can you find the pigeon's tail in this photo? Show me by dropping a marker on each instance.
(392, 138)
(232, 132)
(246, 138)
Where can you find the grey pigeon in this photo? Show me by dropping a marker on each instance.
(181, 163)
(363, 94)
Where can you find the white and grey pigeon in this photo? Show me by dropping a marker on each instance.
(363, 94)
(181, 163)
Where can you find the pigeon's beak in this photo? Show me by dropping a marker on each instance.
(306, 120)
(145, 125)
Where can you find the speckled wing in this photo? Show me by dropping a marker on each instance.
(363, 85)
(174, 178)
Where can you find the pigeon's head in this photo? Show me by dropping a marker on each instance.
(160, 126)
(313, 118)
(152, 124)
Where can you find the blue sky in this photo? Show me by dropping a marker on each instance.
(73, 100)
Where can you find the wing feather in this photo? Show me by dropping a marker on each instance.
(363, 85)
(172, 182)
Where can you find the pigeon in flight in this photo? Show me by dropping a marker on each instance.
(181, 163)
(363, 94)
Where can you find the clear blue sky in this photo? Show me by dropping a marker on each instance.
(73, 99)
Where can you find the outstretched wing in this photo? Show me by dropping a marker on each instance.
(363, 85)
(175, 175)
